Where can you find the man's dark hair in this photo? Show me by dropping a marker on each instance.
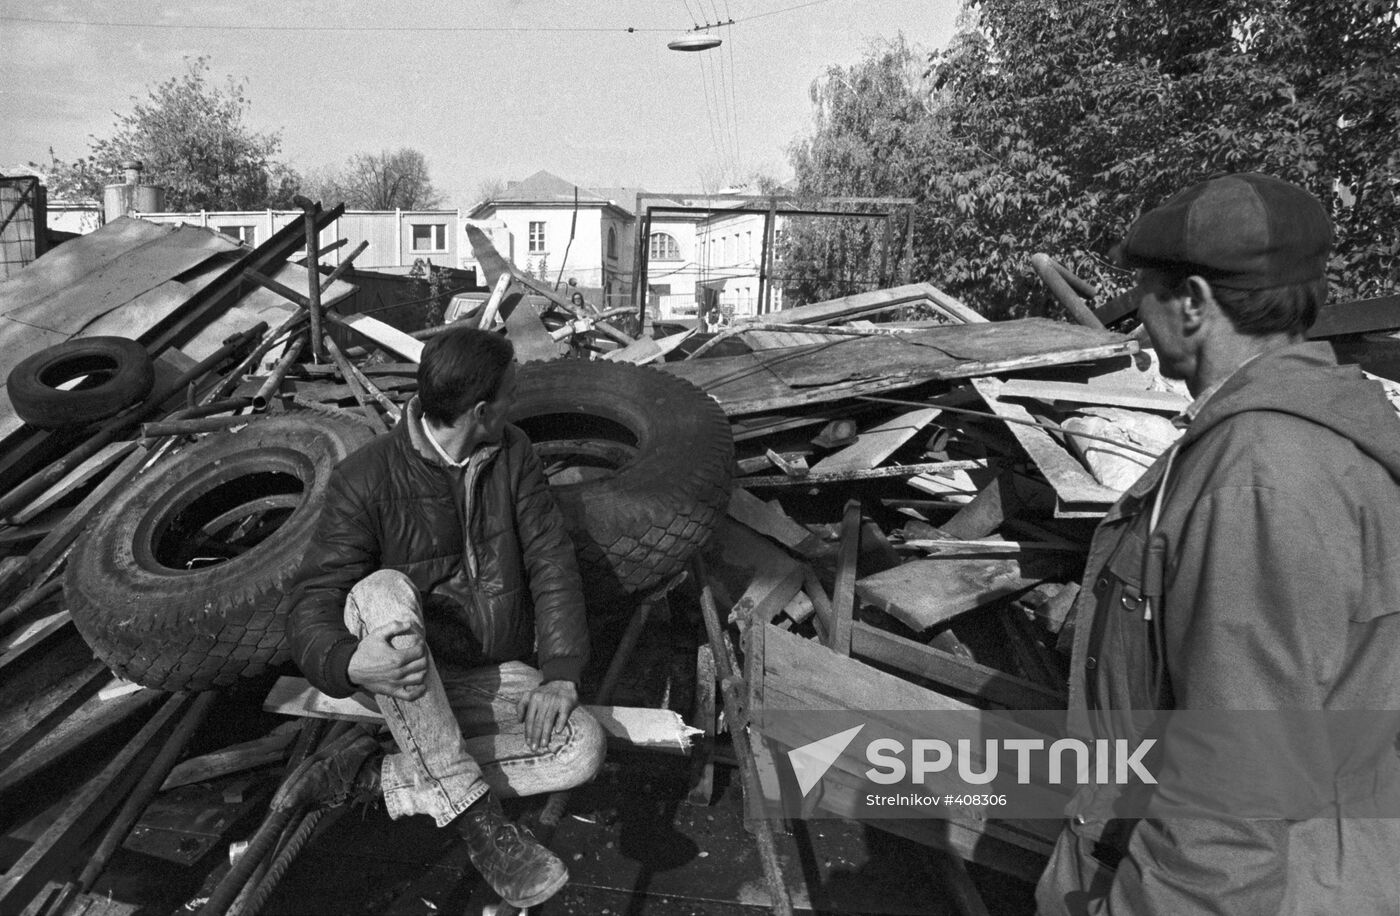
(1291, 308)
(459, 369)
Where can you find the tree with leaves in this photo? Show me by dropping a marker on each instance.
(1049, 125)
(386, 180)
(192, 139)
(875, 136)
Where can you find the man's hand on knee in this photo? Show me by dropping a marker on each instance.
(391, 661)
(545, 710)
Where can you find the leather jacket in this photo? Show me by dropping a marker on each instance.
(485, 545)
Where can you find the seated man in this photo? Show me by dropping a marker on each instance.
(439, 565)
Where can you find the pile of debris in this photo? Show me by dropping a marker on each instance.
(914, 488)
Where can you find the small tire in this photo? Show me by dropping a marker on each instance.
(116, 372)
(177, 585)
(640, 463)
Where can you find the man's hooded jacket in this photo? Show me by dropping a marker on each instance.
(1270, 581)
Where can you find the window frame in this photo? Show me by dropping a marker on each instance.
(652, 251)
(437, 238)
(533, 245)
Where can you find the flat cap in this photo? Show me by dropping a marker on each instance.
(1245, 231)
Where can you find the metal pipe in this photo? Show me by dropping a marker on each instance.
(373, 390)
(184, 422)
(31, 488)
(355, 380)
(313, 273)
(1055, 281)
(279, 371)
(268, 341)
(145, 789)
(150, 432)
(343, 266)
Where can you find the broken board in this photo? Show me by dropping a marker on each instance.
(1077, 493)
(925, 593)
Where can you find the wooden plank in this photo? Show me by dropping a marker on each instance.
(386, 336)
(877, 443)
(903, 470)
(771, 521)
(1359, 317)
(762, 575)
(874, 302)
(1074, 486)
(73, 480)
(784, 379)
(987, 547)
(843, 595)
(702, 771)
(246, 755)
(1082, 393)
(962, 674)
(987, 511)
(88, 807)
(91, 720)
(925, 593)
(45, 713)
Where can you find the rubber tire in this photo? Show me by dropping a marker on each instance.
(199, 629)
(636, 529)
(36, 400)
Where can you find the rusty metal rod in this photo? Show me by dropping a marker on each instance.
(281, 289)
(30, 599)
(313, 273)
(146, 789)
(269, 388)
(269, 339)
(370, 387)
(353, 380)
(26, 492)
(1053, 276)
(343, 266)
(150, 432)
(173, 424)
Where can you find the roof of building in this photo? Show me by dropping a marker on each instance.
(547, 188)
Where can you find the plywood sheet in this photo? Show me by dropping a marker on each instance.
(877, 443)
(924, 593)
(842, 368)
(1075, 487)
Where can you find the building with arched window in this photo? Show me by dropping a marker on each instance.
(554, 229)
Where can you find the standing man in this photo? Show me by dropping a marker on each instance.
(440, 564)
(1255, 566)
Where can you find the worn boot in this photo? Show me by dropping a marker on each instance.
(511, 860)
(349, 774)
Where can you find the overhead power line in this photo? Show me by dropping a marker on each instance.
(328, 28)
(246, 27)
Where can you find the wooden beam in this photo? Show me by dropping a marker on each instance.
(925, 593)
(1074, 486)
(843, 598)
(964, 675)
(386, 336)
(877, 443)
(1081, 393)
(54, 850)
(903, 470)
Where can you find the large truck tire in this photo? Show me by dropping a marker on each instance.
(115, 373)
(176, 586)
(640, 462)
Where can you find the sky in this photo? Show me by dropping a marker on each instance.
(488, 90)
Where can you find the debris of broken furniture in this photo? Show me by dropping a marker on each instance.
(913, 492)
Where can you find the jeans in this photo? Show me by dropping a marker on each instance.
(464, 735)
